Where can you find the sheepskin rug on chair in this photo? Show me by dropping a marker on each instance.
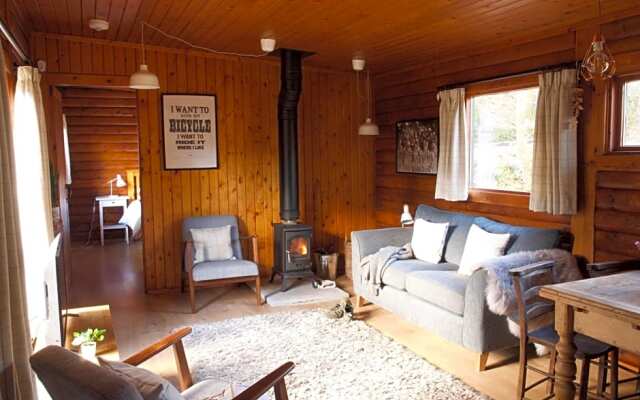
(335, 359)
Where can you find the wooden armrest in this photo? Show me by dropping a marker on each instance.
(530, 268)
(188, 255)
(275, 380)
(150, 351)
(254, 247)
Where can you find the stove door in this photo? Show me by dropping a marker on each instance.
(297, 250)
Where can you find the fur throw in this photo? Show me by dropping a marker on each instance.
(501, 296)
(500, 293)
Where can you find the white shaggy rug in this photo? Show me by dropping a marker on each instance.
(335, 359)
(299, 292)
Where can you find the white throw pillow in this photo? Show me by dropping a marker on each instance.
(480, 246)
(428, 240)
(212, 244)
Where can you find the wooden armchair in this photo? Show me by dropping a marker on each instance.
(67, 375)
(219, 273)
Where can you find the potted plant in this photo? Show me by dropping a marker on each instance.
(87, 340)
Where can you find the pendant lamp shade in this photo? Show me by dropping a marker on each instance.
(144, 79)
(368, 128)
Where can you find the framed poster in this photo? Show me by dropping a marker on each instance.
(417, 146)
(189, 131)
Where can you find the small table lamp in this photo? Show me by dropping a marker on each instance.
(406, 218)
(119, 183)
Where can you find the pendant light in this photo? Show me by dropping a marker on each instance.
(368, 128)
(598, 61)
(143, 79)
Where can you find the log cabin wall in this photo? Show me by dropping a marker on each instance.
(411, 94)
(102, 127)
(337, 165)
(609, 225)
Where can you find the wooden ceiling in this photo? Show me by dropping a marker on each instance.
(390, 34)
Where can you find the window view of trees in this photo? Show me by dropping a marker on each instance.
(631, 113)
(502, 127)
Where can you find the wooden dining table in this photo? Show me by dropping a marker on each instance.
(605, 308)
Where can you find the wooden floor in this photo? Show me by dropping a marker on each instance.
(113, 275)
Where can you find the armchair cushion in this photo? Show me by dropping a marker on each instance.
(66, 375)
(150, 385)
(212, 244)
(214, 221)
(214, 270)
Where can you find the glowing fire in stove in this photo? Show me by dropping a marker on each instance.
(299, 246)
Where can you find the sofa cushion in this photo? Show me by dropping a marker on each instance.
(523, 238)
(428, 240)
(459, 225)
(210, 270)
(396, 273)
(444, 289)
(481, 245)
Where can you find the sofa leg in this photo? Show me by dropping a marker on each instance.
(482, 364)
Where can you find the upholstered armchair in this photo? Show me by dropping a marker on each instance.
(66, 375)
(222, 272)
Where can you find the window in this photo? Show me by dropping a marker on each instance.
(501, 125)
(630, 118)
(623, 113)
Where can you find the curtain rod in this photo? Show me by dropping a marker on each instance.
(12, 41)
(555, 67)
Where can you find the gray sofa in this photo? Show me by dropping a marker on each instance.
(435, 296)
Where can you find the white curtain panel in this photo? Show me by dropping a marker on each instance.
(16, 380)
(452, 182)
(33, 189)
(554, 180)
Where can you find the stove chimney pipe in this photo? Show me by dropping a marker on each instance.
(290, 89)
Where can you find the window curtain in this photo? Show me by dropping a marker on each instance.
(554, 170)
(452, 182)
(33, 189)
(16, 380)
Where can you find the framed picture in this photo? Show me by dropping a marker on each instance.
(417, 146)
(190, 132)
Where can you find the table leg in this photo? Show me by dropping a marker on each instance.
(101, 213)
(566, 363)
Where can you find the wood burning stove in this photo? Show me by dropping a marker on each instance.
(292, 252)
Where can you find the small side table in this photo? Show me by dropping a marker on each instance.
(110, 201)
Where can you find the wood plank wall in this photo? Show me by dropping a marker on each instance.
(337, 181)
(103, 141)
(617, 215)
(411, 93)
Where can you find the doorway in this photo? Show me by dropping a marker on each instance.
(103, 193)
